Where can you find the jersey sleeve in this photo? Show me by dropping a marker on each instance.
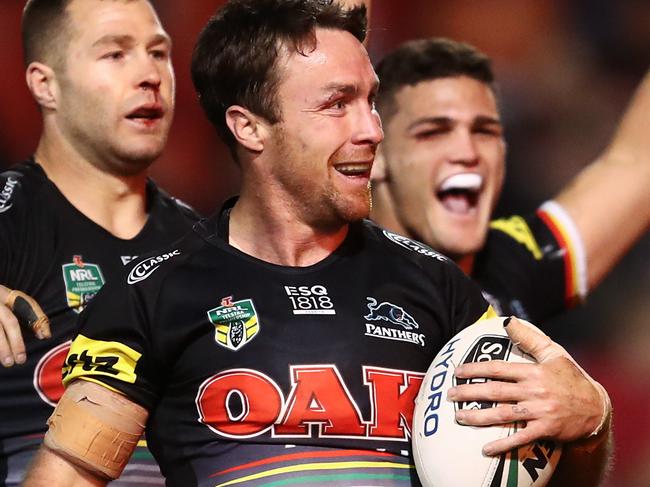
(114, 347)
(13, 216)
(532, 266)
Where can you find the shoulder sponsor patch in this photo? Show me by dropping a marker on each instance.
(414, 246)
(92, 358)
(148, 266)
(6, 194)
(235, 323)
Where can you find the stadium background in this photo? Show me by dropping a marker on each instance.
(566, 69)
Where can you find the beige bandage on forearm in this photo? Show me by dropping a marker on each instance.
(95, 428)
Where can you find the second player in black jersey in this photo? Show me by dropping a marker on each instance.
(60, 257)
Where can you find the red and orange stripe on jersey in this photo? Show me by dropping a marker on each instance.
(567, 235)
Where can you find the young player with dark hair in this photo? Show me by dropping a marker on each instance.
(440, 171)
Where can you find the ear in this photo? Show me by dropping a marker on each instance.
(41, 81)
(379, 173)
(247, 128)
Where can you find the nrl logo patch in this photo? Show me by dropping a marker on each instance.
(82, 281)
(235, 323)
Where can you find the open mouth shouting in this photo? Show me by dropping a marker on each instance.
(460, 193)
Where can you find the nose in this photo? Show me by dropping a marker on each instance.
(149, 77)
(368, 127)
(463, 149)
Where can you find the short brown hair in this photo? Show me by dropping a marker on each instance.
(234, 61)
(44, 31)
(424, 60)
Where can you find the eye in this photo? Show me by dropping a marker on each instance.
(114, 55)
(160, 54)
(430, 133)
(339, 104)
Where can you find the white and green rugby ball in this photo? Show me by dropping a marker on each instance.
(448, 454)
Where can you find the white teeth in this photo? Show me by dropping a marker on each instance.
(463, 181)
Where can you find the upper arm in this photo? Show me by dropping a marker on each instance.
(94, 431)
(609, 200)
(51, 469)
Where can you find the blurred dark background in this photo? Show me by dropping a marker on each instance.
(566, 69)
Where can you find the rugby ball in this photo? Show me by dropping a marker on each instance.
(448, 454)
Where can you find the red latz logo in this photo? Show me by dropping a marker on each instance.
(244, 403)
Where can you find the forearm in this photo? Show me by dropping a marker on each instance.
(50, 469)
(584, 463)
(611, 196)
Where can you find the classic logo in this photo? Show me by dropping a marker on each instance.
(148, 266)
(414, 246)
(484, 349)
(394, 315)
(235, 323)
(82, 281)
(6, 193)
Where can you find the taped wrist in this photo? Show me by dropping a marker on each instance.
(95, 428)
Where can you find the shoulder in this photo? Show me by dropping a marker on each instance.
(19, 188)
(151, 269)
(403, 247)
(170, 204)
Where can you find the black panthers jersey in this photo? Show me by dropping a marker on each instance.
(271, 375)
(51, 251)
(532, 267)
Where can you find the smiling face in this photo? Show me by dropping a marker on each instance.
(444, 156)
(322, 150)
(116, 85)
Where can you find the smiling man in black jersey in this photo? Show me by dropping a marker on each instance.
(284, 341)
(82, 207)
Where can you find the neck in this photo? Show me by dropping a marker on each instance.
(382, 210)
(383, 213)
(116, 203)
(265, 228)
